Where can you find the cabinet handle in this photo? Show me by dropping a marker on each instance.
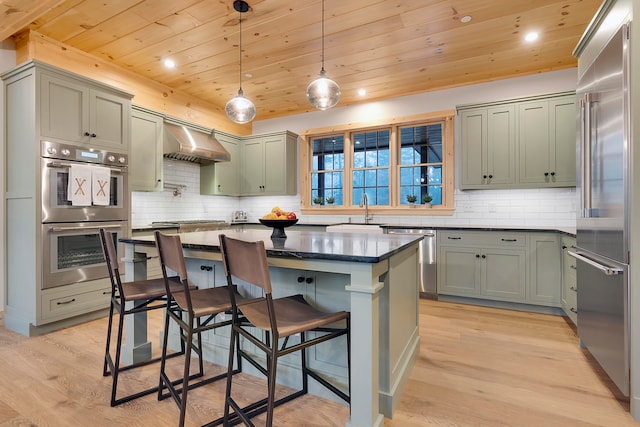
(564, 247)
(572, 266)
(206, 268)
(574, 310)
(477, 256)
(553, 174)
(309, 280)
(87, 134)
(300, 279)
(573, 288)
(484, 176)
(509, 240)
(92, 135)
(66, 302)
(484, 256)
(454, 238)
(490, 176)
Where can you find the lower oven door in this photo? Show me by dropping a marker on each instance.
(72, 252)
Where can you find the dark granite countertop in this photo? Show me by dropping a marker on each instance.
(352, 247)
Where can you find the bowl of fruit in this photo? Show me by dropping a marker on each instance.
(278, 219)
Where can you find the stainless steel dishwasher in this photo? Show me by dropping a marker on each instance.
(427, 255)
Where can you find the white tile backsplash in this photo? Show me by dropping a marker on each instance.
(553, 207)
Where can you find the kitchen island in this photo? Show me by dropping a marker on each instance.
(373, 276)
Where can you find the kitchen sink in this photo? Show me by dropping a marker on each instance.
(355, 228)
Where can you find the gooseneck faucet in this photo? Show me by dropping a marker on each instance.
(364, 201)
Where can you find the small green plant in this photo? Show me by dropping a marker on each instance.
(330, 200)
(317, 200)
(411, 198)
(427, 198)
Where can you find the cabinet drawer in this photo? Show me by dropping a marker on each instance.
(482, 239)
(61, 305)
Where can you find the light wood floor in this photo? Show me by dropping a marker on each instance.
(477, 367)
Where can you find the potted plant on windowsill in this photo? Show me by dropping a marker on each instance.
(427, 200)
(412, 200)
(317, 200)
(330, 200)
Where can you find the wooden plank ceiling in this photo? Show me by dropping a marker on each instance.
(388, 47)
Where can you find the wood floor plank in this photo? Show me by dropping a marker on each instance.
(477, 367)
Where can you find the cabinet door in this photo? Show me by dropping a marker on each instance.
(223, 178)
(545, 281)
(145, 160)
(459, 271)
(533, 141)
(473, 137)
(501, 146)
(109, 120)
(275, 167)
(562, 129)
(252, 182)
(64, 109)
(503, 274)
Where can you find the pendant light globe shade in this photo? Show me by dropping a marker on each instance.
(323, 93)
(240, 109)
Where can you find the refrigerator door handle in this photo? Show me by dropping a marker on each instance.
(609, 271)
(586, 131)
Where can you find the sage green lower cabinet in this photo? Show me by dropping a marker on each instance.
(545, 274)
(482, 265)
(519, 267)
(569, 282)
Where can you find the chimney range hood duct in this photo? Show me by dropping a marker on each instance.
(192, 145)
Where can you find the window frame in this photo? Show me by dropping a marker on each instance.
(395, 207)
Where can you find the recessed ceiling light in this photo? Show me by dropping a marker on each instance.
(532, 36)
(248, 75)
(169, 63)
(362, 92)
(465, 19)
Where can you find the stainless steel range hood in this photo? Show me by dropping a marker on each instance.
(192, 145)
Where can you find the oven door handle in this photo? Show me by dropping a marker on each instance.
(58, 229)
(68, 165)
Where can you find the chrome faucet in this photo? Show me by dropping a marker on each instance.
(364, 201)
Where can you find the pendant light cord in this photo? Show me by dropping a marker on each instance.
(240, 49)
(322, 35)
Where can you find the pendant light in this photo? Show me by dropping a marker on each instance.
(240, 109)
(323, 93)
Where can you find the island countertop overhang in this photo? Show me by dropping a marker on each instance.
(351, 247)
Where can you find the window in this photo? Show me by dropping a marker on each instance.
(387, 162)
(421, 162)
(327, 168)
(371, 166)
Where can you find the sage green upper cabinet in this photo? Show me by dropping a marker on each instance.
(145, 158)
(79, 110)
(269, 165)
(488, 150)
(522, 143)
(223, 178)
(547, 142)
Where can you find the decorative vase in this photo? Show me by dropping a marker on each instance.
(427, 205)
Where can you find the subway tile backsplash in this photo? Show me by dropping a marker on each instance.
(553, 207)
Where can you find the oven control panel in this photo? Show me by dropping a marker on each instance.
(56, 150)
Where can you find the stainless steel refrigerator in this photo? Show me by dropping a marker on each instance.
(602, 221)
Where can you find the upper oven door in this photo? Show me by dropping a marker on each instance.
(56, 206)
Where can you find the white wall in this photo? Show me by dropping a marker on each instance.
(7, 61)
(534, 207)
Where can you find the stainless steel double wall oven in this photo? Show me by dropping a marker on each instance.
(70, 242)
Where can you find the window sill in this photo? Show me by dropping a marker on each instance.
(341, 210)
